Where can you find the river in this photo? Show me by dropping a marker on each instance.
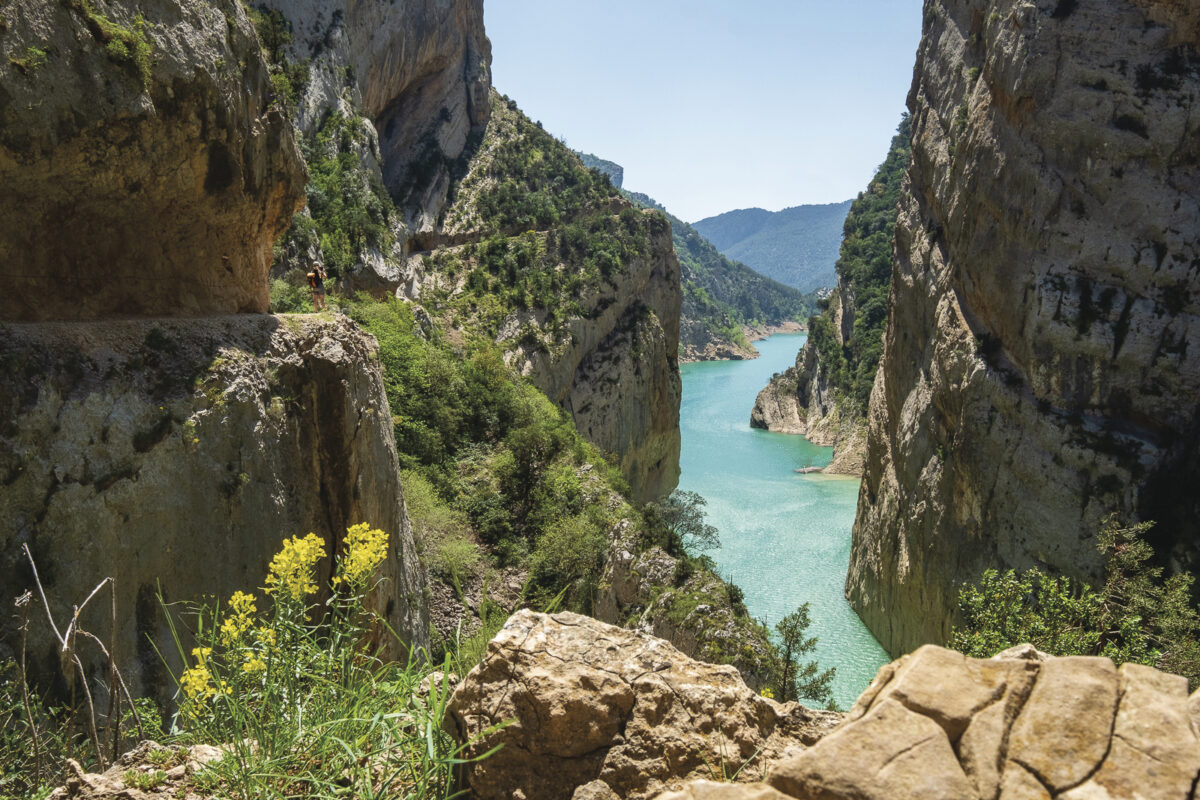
(785, 537)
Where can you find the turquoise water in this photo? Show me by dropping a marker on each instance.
(785, 537)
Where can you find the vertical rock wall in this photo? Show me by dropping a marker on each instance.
(1040, 365)
(138, 184)
(175, 456)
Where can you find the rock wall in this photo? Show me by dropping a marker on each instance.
(186, 144)
(801, 400)
(1040, 366)
(419, 70)
(175, 456)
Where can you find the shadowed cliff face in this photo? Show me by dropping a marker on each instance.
(421, 70)
(138, 192)
(1040, 365)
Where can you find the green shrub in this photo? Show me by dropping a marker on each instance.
(1137, 615)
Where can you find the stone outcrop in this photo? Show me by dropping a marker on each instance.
(166, 773)
(801, 401)
(175, 456)
(1040, 367)
(936, 724)
(145, 169)
(599, 711)
(419, 70)
(638, 590)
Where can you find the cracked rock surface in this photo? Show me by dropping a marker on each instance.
(596, 708)
(936, 724)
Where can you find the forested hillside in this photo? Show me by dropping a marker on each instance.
(796, 246)
(720, 295)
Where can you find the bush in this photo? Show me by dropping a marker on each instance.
(1135, 616)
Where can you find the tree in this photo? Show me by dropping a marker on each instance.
(682, 517)
(801, 680)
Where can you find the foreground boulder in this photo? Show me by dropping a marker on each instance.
(607, 711)
(936, 724)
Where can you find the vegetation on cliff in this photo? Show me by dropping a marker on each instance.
(864, 271)
(1136, 615)
(720, 295)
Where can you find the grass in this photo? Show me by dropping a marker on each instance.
(292, 690)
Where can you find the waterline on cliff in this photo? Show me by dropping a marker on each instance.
(785, 537)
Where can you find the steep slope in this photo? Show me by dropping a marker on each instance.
(1039, 367)
(614, 171)
(579, 287)
(824, 396)
(796, 246)
(722, 297)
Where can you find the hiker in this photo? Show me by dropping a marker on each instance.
(316, 279)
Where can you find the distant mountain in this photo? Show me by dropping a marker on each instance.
(721, 295)
(614, 171)
(797, 246)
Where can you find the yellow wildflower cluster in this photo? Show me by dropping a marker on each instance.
(767, 693)
(365, 551)
(291, 570)
(197, 681)
(254, 664)
(239, 619)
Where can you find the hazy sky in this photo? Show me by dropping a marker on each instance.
(712, 105)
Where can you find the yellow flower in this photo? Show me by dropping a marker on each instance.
(767, 693)
(292, 568)
(267, 637)
(196, 683)
(365, 550)
(254, 664)
(200, 654)
(239, 619)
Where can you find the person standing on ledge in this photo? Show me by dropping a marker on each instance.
(316, 279)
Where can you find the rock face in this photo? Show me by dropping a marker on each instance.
(187, 144)
(1040, 367)
(420, 71)
(617, 374)
(179, 454)
(600, 711)
(936, 724)
(800, 400)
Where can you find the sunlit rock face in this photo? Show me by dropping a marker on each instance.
(1040, 366)
(138, 189)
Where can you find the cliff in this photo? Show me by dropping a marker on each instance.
(580, 288)
(824, 396)
(145, 170)
(1039, 369)
(148, 170)
(175, 456)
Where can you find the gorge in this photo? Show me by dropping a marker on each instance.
(1007, 359)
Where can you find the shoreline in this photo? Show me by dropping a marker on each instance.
(757, 333)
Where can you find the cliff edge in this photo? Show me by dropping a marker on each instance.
(1040, 366)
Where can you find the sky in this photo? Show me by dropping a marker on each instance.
(713, 105)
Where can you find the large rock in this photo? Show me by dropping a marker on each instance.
(938, 725)
(131, 192)
(1041, 366)
(175, 456)
(591, 702)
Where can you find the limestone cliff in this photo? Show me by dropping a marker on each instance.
(418, 70)
(145, 170)
(175, 456)
(580, 288)
(1040, 365)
